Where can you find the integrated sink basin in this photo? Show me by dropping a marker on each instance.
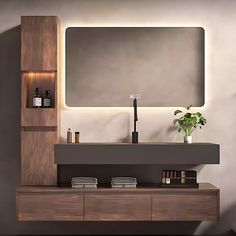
(140, 153)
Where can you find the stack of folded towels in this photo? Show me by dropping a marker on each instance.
(123, 182)
(84, 182)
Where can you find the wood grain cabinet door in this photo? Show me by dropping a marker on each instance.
(185, 207)
(37, 158)
(117, 207)
(38, 43)
(50, 207)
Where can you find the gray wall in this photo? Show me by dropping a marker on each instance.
(99, 124)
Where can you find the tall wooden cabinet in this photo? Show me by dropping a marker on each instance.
(39, 126)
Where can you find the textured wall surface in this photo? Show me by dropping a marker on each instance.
(115, 124)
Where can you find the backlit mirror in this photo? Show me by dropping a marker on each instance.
(104, 65)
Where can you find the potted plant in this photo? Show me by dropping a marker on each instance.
(188, 122)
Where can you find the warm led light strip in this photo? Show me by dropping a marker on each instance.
(46, 75)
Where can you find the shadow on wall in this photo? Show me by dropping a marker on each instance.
(227, 219)
(9, 124)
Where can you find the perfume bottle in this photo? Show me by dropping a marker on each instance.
(37, 99)
(46, 100)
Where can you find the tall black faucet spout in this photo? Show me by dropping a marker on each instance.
(135, 113)
(135, 110)
(135, 133)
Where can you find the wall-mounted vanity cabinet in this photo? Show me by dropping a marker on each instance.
(106, 204)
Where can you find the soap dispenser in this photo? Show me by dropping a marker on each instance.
(69, 136)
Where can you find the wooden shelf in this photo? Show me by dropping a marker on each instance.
(142, 153)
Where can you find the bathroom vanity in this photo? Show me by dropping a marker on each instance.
(39, 198)
(144, 203)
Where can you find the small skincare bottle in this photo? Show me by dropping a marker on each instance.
(69, 136)
(168, 177)
(46, 100)
(76, 137)
(37, 99)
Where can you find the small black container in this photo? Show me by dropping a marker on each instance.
(134, 137)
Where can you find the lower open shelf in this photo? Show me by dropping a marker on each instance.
(126, 204)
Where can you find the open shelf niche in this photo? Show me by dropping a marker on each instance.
(42, 80)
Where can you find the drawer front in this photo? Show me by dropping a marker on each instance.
(117, 207)
(187, 207)
(50, 207)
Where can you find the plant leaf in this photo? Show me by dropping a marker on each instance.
(198, 114)
(175, 121)
(188, 107)
(188, 115)
(177, 112)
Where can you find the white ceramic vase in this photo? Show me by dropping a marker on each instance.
(187, 139)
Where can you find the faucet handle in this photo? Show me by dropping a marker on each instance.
(135, 95)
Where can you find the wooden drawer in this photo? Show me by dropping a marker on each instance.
(50, 207)
(115, 207)
(185, 207)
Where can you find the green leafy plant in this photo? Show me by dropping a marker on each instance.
(189, 121)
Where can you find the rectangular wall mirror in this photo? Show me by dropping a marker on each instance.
(104, 65)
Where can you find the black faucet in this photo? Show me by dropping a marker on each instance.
(135, 133)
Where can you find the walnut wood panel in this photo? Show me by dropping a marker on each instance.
(39, 43)
(188, 207)
(37, 158)
(39, 117)
(117, 207)
(50, 207)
